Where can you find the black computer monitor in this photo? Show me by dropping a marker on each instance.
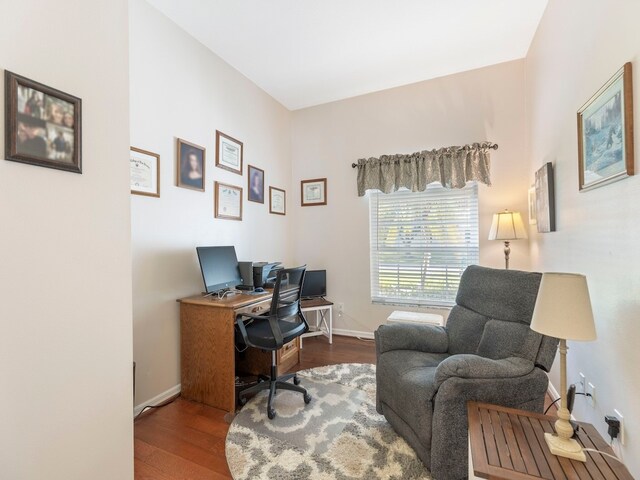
(219, 267)
(315, 284)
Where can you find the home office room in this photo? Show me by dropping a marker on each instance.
(353, 240)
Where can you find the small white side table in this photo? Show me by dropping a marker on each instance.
(324, 318)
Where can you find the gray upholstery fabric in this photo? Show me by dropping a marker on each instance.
(490, 354)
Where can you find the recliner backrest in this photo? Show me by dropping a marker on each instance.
(492, 316)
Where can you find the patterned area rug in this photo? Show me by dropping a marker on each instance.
(339, 435)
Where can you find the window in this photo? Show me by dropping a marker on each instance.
(421, 242)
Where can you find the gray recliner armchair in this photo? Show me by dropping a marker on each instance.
(487, 352)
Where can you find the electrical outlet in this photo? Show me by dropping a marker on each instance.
(591, 390)
(582, 383)
(621, 418)
(340, 307)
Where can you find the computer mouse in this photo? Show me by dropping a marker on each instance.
(259, 290)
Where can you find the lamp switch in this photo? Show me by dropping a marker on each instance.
(591, 391)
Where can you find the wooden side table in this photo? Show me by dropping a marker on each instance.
(505, 443)
(324, 318)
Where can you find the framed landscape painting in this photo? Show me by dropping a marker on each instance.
(605, 133)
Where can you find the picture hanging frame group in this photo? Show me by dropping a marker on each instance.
(191, 164)
(43, 125)
(313, 192)
(227, 201)
(229, 153)
(144, 172)
(277, 201)
(605, 133)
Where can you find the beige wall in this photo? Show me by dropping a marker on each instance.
(180, 89)
(578, 46)
(65, 314)
(484, 104)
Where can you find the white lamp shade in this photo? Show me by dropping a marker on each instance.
(507, 226)
(563, 308)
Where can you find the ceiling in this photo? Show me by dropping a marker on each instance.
(308, 52)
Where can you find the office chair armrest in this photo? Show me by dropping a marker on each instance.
(410, 336)
(475, 366)
(273, 324)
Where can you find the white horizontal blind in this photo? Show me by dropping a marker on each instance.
(421, 242)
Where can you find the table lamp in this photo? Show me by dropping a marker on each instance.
(507, 226)
(563, 310)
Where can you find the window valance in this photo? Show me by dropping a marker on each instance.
(452, 167)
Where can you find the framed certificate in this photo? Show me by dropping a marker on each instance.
(313, 192)
(277, 201)
(144, 172)
(228, 153)
(228, 201)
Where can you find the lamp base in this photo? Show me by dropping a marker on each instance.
(565, 447)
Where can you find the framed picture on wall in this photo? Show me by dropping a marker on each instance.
(277, 201)
(545, 199)
(228, 201)
(42, 125)
(144, 170)
(256, 184)
(313, 192)
(191, 165)
(532, 206)
(228, 153)
(605, 133)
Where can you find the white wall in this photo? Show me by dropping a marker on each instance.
(484, 104)
(65, 314)
(180, 89)
(578, 46)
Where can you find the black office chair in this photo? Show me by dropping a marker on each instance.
(270, 332)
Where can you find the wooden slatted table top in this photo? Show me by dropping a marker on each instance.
(507, 443)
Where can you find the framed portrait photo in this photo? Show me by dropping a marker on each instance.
(605, 133)
(228, 201)
(144, 169)
(191, 165)
(42, 125)
(545, 199)
(313, 192)
(255, 184)
(277, 201)
(228, 153)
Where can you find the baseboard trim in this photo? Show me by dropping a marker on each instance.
(553, 393)
(353, 333)
(158, 399)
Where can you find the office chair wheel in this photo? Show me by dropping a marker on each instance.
(307, 398)
(271, 413)
(296, 380)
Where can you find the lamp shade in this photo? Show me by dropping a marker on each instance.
(507, 226)
(563, 308)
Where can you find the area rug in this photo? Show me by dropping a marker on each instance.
(339, 435)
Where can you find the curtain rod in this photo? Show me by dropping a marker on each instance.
(493, 146)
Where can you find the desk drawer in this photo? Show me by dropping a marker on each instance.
(288, 355)
(256, 308)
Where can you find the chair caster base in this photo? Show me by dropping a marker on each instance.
(307, 398)
(296, 380)
(271, 413)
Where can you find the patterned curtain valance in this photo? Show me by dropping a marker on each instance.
(453, 167)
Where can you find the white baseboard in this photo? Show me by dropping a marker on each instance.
(157, 399)
(353, 333)
(553, 393)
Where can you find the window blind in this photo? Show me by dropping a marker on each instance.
(421, 242)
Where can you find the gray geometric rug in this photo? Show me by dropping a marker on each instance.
(339, 435)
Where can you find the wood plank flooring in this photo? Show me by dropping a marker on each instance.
(185, 440)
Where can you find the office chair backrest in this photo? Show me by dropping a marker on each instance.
(287, 292)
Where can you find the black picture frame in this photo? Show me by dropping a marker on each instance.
(43, 125)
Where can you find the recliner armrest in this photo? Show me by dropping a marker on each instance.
(408, 336)
(475, 366)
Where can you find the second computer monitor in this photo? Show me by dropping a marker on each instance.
(315, 284)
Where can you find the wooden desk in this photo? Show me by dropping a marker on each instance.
(208, 356)
(505, 443)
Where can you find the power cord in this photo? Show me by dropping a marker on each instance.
(602, 453)
(160, 405)
(558, 399)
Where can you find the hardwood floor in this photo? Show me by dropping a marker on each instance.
(186, 439)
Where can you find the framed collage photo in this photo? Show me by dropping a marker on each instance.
(255, 185)
(228, 201)
(605, 133)
(191, 165)
(313, 192)
(42, 125)
(144, 169)
(277, 201)
(228, 153)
